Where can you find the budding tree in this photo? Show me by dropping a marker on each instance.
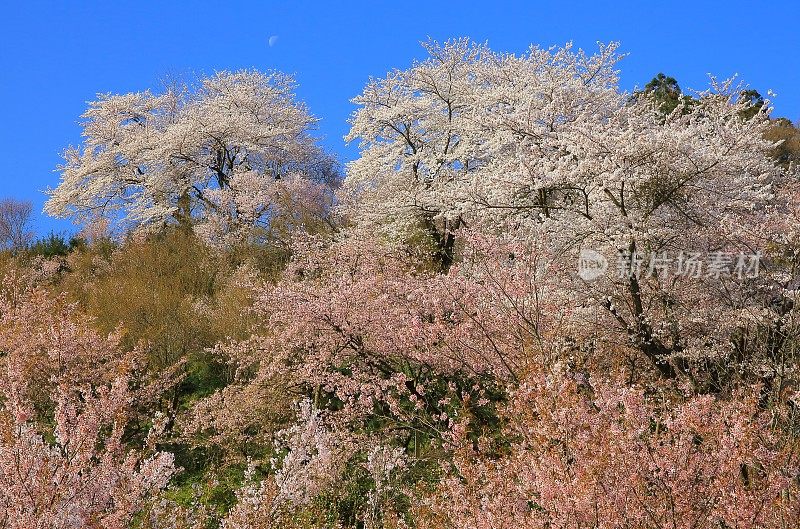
(227, 157)
(15, 219)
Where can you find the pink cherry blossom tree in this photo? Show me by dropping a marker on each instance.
(594, 453)
(65, 403)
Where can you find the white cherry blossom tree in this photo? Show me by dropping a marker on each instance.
(546, 146)
(222, 157)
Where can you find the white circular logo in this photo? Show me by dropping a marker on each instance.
(591, 265)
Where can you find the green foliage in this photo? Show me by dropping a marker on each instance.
(754, 103)
(213, 491)
(55, 245)
(666, 94)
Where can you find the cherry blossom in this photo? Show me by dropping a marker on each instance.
(215, 156)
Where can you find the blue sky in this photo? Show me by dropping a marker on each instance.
(54, 58)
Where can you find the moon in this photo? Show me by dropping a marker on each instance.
(272, 40)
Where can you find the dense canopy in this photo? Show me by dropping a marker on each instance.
(534, 301)
(221, 155)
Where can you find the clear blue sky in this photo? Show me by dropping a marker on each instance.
(54, 58)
